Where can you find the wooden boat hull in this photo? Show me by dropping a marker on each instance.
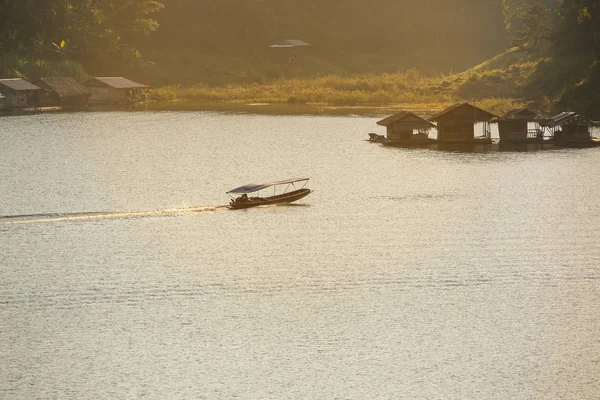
(278, 199)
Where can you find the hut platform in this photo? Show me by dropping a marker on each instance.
(410, 143)
(31, 110)
(477, 140)
(528, 140)
(576, 144)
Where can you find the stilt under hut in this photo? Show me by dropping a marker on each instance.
(456, 125)
(569, 129)
(405, 129)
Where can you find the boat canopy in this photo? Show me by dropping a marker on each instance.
(254, 187)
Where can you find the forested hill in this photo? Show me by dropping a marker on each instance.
(222, 41)
(435, 34)
(440, 35)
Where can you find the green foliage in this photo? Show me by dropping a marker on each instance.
(584, 95)
(573, 64)
(500, 106)
(407, 87)
(533, 29)
(31, 68)
(97, 33)
(357, 48)
(528, 22)
(437, 33)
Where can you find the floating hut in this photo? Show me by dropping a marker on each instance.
(19, 93)
(570, 129)
(63, 91)
(456, 124)
(107, 90)
(514, 126)
(401, 129)
(290, 51)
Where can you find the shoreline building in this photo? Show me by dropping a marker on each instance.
(111, 90)
(63, 91)
(19, 93)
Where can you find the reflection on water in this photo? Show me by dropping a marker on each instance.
(87, 216)
(408, 273)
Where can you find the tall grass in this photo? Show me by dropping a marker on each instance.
(498, 85)
(408, 87)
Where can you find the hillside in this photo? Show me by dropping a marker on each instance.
(498, 84)
(379, 52)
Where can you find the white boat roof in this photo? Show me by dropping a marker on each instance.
(255, 187)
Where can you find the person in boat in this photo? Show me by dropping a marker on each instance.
(244, 198)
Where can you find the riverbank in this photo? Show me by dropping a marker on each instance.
(291, 109)
(496, 106)
(491, 86)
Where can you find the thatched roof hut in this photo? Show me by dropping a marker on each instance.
(401, 125)
(114, 89)
(456, 124)
(523, 114)
(514, 125)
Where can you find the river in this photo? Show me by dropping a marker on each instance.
(407, 274)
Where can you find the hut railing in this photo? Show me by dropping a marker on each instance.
(535, 133)
(487, 130)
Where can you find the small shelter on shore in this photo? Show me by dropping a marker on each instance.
(514, 126)
(19, 93)
(401, 127)
(290, 51)
(114, 90)
(571, 129)
(63, 91)
(2, 101)
(456, 124)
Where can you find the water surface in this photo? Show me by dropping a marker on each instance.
(407, 273)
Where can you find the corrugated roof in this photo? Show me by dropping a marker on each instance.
(16, 85)
(297, 42)
(64, 86)
(290, 43)
(402, 115)
(115, 82)
(567, 117)
(254, 187)
(478, 113)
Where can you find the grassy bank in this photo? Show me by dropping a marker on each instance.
(409, 89)
(510, 80)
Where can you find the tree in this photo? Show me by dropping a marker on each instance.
(85, 30)
(529, 25)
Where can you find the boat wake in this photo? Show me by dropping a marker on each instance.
(100, 215)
